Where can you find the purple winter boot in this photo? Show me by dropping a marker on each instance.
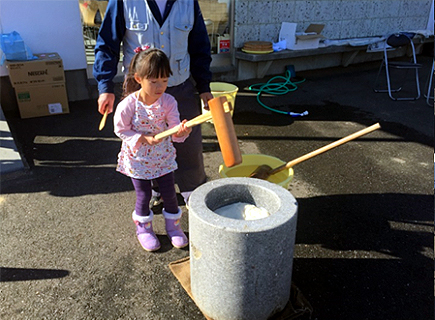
(173, 229)
(144, 230)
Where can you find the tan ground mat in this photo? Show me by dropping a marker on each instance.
(297, 308)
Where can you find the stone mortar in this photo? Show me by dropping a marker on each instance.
(241, 269)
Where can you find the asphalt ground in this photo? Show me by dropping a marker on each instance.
(364, 243)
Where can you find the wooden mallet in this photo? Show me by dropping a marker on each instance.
(220, 113)
(265, 171)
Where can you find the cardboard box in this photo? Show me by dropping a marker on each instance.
(48, 68)
(309, 39)
(45, 100)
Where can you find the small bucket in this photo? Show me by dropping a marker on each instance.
(250, 162)
(223, 89)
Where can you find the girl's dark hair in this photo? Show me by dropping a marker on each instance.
(149, 63)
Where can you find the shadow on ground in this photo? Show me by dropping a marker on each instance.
(23, 274)
(394, 270)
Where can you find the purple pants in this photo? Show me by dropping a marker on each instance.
(166, 188)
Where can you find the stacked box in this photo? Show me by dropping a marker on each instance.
(309, 39)
(39, 85)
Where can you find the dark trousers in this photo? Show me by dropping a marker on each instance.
(190, 173)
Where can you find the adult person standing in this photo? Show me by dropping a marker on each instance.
(177, 28)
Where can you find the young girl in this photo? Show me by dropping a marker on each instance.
(144, 111)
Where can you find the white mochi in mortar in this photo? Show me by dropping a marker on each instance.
(242, 211)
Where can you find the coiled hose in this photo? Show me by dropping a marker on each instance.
(277, 88)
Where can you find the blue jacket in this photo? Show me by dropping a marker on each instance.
(107, 49)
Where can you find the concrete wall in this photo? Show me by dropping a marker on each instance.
(260, 20)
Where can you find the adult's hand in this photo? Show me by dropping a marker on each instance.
(105, 102)
(205, 96)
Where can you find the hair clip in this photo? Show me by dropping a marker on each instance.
(140, 49)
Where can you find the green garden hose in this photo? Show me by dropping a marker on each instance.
(278, 88)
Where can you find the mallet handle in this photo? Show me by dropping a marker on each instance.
(206, 116)
(103, 120)
(330, 146)
(191, 123)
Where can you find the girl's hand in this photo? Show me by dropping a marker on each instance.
(150, 140)
(183, 130)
